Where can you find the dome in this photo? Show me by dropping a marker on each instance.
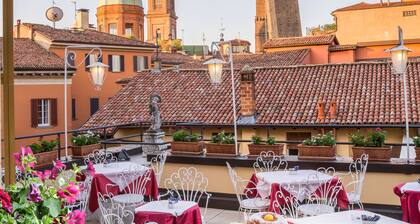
(120, 2)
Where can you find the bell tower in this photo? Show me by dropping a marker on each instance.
(161, 19)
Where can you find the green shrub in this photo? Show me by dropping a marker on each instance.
(223, 138)
(417, 141)
(36, 148)
(183, 136)
(43, 146)
(256, 140)
(271, 140)
(374, 138)
(86, 139)
(321, 140)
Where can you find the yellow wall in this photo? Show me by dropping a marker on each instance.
(376, 24)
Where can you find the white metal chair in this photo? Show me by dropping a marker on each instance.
(189, 185)
(246, 204)
(323, 200)
(136, 179)
(113, 213)
(288, 204)
(158, 164)
(357, 171)
(100, 157)
(82, 200)
(269, 161)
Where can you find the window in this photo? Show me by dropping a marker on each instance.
(73, 109)
(91, 59)
(157, 3)
(94, 105)
(409, 13)
(129, 29)
(112, 28)
(298, 137)
(140, 63)
(44, 112)
(116, 63)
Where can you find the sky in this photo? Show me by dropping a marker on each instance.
(195, 17)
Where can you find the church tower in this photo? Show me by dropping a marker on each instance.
(161, 17)
(261, 32)
(121, 17)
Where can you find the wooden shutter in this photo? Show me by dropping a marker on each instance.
(53, 111)
(73, 109)
(110, 63)
(146, 62)
(135, 64)
(87, 61)
(34, 113)
(100, 58)
(94, 105)
(122, 63)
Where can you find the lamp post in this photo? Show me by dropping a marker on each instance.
(399, 57)
(97, 77)
(215, 68)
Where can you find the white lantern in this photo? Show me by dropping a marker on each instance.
(399, 56)
(215, 67)
(97, 74)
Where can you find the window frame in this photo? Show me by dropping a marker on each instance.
(113, 28)
(44, 113)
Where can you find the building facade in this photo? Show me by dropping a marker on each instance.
(121, 17)
(161, 20)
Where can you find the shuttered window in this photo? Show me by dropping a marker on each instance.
(140, 63)
(116, 63)
(94, 105)
(43, 112)
(73, 109)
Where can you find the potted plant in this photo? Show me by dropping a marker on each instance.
(318, 147)
(417, 143)
(221, 144)
(373, 145)
(84, 144)
(257, 146)
(183, 142)
(44, 151)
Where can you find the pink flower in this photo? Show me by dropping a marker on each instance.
(35, 194)
(42, 175)
(91, 168)
(378, 129)
(24, 152)
(70, 193)
(58, 166)
(5, 201)
(76, 217)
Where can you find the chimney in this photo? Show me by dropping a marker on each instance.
(18, 26)
(82, 19)
(247, 91)
(333, 110)
(321, 110)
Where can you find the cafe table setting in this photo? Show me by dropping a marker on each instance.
(299, 183)
(409, 194)
(107, 180)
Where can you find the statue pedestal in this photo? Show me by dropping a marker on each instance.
(154, 138)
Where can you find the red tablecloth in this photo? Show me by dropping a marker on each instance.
(409, 204)
(342, 200)
(190, 216)
(101, 184)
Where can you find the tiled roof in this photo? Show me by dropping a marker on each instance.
(87, 36)
(29, 56)
(366, 94)
(300, 41)
(174, 58)
(364, 5)
(239, 42)
(280, 58)
(341, 47)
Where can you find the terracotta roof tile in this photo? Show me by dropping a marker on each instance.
(341, 47)
(366, 94)
(300, 41)
(364, 5)
(281, 58)
(29, 56)
(174, 58)
(88, 36)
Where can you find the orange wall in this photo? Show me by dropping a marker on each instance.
(318, 54)
(83, 90)
(23, 95)
(373, 52)
(342, 56)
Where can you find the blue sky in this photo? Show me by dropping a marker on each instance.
(195, 16)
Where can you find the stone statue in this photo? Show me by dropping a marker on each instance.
(155, 113)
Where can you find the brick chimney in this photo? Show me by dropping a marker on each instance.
(18, 26)
(333, 110)
(247, 91)
(82, 19)
(321, 110)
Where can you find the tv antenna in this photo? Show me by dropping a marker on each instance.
(222, 29)
(75, 9)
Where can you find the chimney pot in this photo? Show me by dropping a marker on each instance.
(82, 19)
(333, 110)
(321, 111)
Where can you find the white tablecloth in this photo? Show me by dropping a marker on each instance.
(162, 206)
(412, 186)
(112, 171)
(347, 217)
(291, 181)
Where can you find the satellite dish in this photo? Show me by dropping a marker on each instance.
(54, 14)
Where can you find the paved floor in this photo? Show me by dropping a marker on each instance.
(219, 216)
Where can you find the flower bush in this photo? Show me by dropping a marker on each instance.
(374, 138)
(256, 140)
(223, 138)
(40, 197)
(417, 141)
(183, 136)
(86, 139)
(43, 146)
(271, 140)
(321, 140)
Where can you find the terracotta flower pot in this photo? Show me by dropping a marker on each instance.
(309, 152)
(375, 153)
(85, 150)
(220, 149)
(187, 147)
(45, 158)
(255, 150)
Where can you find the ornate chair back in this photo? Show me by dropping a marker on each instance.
(83, 198)
(113, 213)
(136, 179)
(158, 164)
(269, 161)
(357, 170)
(100, 157)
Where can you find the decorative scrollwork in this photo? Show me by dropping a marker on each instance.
(269, 161)
(158, 164)
(100, 157)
